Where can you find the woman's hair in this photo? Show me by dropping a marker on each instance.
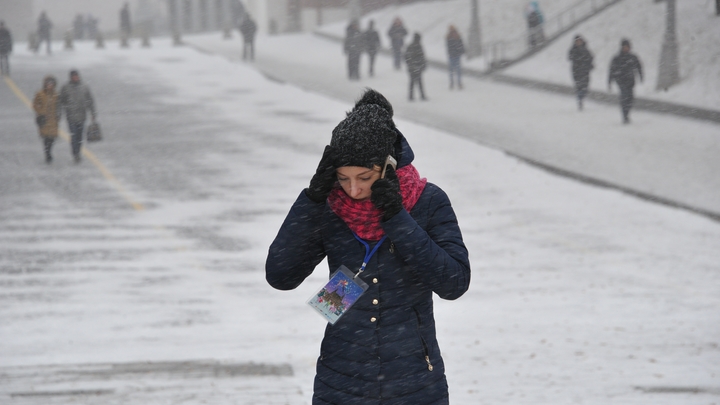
(49, 79)
(453, 33)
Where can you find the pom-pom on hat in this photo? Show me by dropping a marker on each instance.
(367, 135)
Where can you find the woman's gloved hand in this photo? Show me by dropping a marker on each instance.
(325, 177)
(386, 194)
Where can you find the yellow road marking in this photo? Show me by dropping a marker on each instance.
(85, 151)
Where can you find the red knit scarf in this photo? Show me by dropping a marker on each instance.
(362, 217)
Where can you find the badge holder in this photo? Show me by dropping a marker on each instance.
(338, 295)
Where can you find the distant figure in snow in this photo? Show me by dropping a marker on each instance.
(455, 50)
(125, 25)
(353, 48)
(535, 21)
(248, 28)
(47, 114)
(44, 29)
(91, 24)
(416, 64)
(622, 71)
(582, 64)
(372, 45)
(397, 34)
(6, 45)
(76, 100)
(79, 26)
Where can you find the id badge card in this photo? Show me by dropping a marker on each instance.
(338, 295)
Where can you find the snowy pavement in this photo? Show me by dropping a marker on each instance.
(147, 286)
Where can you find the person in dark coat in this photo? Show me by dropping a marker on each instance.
(248, 28)
(372, 45)
(416, 64)
(76, 100)
(623, 68)
(397, 34)
(125, 25)
(455, 50)
(535, 22)
(582, 64)
(79, 27)
(401, 237)
(44, 30)
(353, 47)
(6, 46)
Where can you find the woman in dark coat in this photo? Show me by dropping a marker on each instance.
(582, 64)
(416, 64)
(383, 350)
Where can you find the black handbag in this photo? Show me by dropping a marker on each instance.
(93, 132)
(40, 120)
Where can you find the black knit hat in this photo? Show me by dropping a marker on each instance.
(367, 135)
(625, 42)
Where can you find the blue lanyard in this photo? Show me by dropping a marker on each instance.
(368, 253)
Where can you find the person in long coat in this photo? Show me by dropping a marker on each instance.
(44, 31)
(6, 46)
(623, 68)
(416, 64)
(353, 46)
(400, 236)
(397, 34)
(582, 64)
(248, 28)
(455, 50)
(372, 45)
(46, 105)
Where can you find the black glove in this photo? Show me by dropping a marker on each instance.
(325, 177)
(386, 194)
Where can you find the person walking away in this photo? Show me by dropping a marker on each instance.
(248, 29)
(416, 64)
(6, 45)
(125, 24)
(582, 63)
(535, 21)
(372, 45)
(47, 114)
(397, 34)
(76, 100)
(353, 48)
(455, 50)
(79, 27)
(622, 70)
(44, 30)
(396, 233)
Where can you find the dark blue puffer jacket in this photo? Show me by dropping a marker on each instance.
(383, 350)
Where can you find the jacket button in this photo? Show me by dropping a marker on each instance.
(373, 319)
(375, 281)
(375, 301)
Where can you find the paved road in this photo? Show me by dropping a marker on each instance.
(659, 157)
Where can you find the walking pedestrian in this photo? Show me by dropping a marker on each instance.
(372, 45)
(399, 235)
(47, 114)
(353, 48)
(397, 34)
(455, 50)
(582, 64)
(44, 31)
(248, 29)
(79, 26)
(535, 21)
(76, 100)
(125, 24)
(416, 64)
(6, 45)
(622, 70)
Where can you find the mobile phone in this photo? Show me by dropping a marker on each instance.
(389, 161)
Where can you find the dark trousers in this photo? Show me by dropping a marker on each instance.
(416, 79)
(4, 65)
(248, 50)
(581, 86)
(354, 66)
(45, 39)
(371, 57)
(455, 71)
(626, 100)
(397, 57)
(76, 135)
(47, 145)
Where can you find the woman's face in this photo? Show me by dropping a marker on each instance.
(356, 180)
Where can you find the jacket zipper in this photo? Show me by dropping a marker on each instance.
(425, 346)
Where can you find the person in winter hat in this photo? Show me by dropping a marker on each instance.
(416, 64)
(47, 114)
(582, 64)
(623, 68)
(400, 235)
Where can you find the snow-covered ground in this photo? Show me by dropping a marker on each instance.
(643, 22)
(579, 294)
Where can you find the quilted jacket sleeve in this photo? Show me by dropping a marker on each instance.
(437, 254)
(298, 246)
